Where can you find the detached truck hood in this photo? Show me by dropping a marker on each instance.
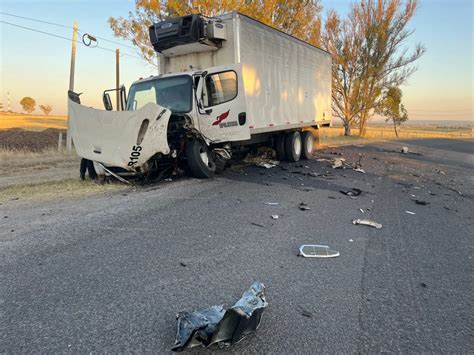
(126, 139)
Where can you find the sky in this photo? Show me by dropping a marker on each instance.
(37, 65)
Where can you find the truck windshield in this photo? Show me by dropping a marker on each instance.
(174, 93)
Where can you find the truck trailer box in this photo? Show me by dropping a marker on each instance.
(287, 82)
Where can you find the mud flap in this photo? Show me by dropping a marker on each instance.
(126, 139)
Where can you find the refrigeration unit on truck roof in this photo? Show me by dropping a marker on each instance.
(225, 82)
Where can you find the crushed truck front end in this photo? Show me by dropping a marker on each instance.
(121, 139)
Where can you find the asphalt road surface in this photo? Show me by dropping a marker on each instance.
(108, 274)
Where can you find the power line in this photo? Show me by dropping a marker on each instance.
(65, 38)
(36, 20)
(64, 26)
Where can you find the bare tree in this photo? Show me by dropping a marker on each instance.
(46, 109)
(299, 18)
(392, 109)
(368, 56)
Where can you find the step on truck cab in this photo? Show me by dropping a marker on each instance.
(224, 83)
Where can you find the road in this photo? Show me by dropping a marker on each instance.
(108, 274)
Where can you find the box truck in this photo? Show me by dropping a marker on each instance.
(225, 82)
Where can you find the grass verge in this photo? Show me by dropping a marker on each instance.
(64, 189)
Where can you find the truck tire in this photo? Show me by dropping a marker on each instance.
(308, 145)
(200, 162)
(293, 146)
(280, 146)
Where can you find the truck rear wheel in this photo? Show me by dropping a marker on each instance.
(200, 161)
(308, 145)
(293, 146)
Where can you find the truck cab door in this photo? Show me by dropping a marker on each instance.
(221, 111)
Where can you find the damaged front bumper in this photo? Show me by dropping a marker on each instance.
(122, 139)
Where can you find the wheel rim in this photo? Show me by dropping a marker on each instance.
(204, 156)
(309, 144)
(297, 145)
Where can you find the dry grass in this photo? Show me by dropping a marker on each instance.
(333, 134)
(64, 189)
(23, 158)
(31, 122)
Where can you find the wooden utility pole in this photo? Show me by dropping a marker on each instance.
(117, 77)
(71, 80)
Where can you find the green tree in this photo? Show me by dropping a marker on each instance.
(299, 18)
(369, 56)
(28, 104)
(46, 109)
(392, 109)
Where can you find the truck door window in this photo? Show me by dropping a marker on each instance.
(221, 87)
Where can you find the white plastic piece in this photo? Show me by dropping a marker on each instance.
(410, 212)
(317, 251)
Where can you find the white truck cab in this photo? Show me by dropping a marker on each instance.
(225, 82)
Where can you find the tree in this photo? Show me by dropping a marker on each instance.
(28, 104)
(299, 18)
(368, 56)
(46, 109)
(392, 108)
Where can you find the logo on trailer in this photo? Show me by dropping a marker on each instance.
(221, 118)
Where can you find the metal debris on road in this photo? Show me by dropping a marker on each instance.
(272, 203)
(361, 210)
(359, 170)
(317, 251)
(304, 207)
(258, 224)
(338, 163)
(351, 193)
(267, 165)
(304, 312)
(215, 325)
(404, 150)
(410, 212)
(366, 222)
(421, 202)
(274, 216)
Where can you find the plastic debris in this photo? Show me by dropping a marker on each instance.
(351, 240)
(215, 325)
(404, 150)
(361, 210)
(359, 170)
(410, 212)
(274, 216)
(317, 251)
(366, 222)
(352, 193)
(272, 203)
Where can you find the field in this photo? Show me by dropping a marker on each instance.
(31, 122)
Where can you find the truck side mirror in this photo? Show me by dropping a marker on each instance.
(107, 101)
